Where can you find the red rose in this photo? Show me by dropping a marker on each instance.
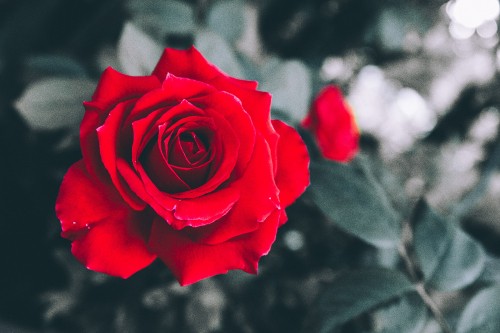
(332, 123)
(184, 165)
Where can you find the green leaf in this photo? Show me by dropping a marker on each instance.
(481, 314)
(55, 103)
(355, 202)
(137, 52)
(354, 293)
(162, 17)
(291, 86)
(491, 272)
(217, 51)
(226, 18)
(407, 314)
(449, 258)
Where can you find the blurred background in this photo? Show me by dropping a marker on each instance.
(421, 76)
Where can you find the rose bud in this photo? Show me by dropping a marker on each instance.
(331, 121)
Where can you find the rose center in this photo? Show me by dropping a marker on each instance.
(193, 146)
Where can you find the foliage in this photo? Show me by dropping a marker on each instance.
(376, 245)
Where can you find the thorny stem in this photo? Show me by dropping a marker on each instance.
(413, 272)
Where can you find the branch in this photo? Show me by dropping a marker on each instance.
(415, 276)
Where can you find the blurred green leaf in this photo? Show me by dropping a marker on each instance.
(55, 103)
(137, 52)
(355, 292)
(291, 86)
(355, 202)
(217, 51)
(407, 314)
(226, 18)
(162, 17)
(491, 272)
(481, 314)
(449, 258)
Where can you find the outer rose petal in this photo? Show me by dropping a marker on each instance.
(114, 246)
(292, 177)
(191, 64)
(109, 141)
(191, 261)
(101, 225)
(173, 90)
(76, 210)
(114, 87)
(331, 121)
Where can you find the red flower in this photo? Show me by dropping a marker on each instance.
(332, 123)
(184, 165)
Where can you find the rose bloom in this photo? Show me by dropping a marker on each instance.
(331, 121)
(184, 165)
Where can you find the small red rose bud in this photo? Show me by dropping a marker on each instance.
(331, 121)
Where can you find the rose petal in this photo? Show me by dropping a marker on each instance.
(111, 137)
(101, 225)
(185, 63)
(191, 261)
(258, 199)
(114, 87)
(258, 105)
(283, 218)
(82, 200)
(162, 203)
(162, 175)
(230, 108)
(145, 128)
(114, 246)
(226, 147)
(89, 144)
(292, 177)
(173, 90)
(183, 213)
(200, 154)
(190, 63)
(206, 209)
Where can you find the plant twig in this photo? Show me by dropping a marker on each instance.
(432, 306)
(414, 274)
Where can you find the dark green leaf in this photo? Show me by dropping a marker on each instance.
(137, 52)
(226, 18)
(355, 202)
(356, 292)
(55, 103)
(449, 258)
(407, 314)
(481, 315)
